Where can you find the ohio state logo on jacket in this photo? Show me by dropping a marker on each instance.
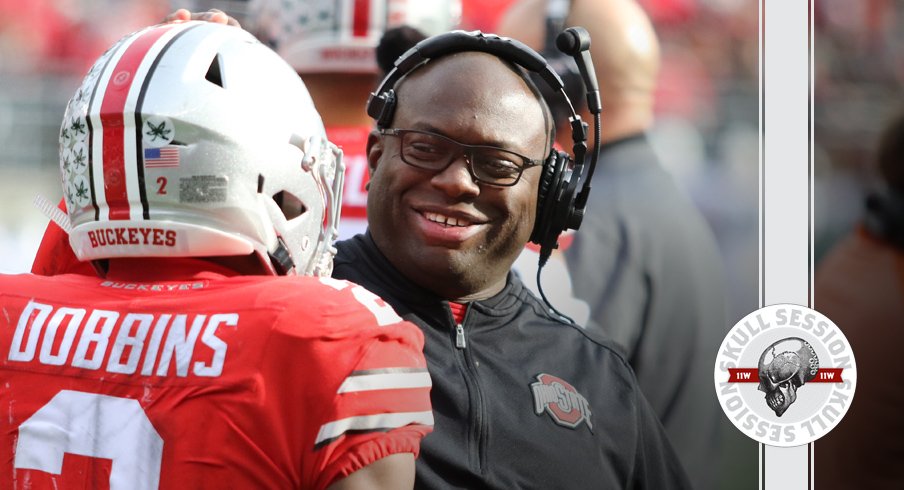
(561, 401)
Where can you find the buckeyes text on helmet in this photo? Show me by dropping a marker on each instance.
(339, 36)
(189, 140)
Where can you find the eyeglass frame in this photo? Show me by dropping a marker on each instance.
(464, 150)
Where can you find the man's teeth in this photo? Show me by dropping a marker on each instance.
(446, 220)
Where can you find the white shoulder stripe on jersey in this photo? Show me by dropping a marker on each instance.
(383, 421)
(385, 381)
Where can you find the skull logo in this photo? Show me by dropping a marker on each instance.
(784, 367)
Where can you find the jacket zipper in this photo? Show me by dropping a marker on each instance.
(477, 434)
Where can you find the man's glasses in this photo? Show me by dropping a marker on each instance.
(487, 164)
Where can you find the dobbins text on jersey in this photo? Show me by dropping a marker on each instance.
(145, 343)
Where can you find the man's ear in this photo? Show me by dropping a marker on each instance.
(374, 151)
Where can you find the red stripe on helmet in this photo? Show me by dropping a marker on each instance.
(112, 116)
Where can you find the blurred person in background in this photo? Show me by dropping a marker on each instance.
(393, 44)
(644, 258)
(860, 287)
(198, 356)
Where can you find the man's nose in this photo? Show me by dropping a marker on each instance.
(456, 180)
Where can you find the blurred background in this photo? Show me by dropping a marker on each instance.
(707, 109)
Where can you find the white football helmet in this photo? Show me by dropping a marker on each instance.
(339, 36)
(195, 140)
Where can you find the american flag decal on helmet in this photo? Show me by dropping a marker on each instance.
(561, 401)
(168, 156)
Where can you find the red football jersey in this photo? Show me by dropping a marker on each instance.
(195, 378)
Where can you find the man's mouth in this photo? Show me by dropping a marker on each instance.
(446, 220)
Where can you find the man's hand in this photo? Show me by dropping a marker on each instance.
(213, 15)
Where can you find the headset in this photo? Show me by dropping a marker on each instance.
(560, 203)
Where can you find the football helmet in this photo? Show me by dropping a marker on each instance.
(339, 36)
(195, 140)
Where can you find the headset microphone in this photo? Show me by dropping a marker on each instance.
(575, 42)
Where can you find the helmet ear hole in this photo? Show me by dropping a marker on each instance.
(291, 206)
(214, 74)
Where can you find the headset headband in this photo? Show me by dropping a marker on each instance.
(454, 42)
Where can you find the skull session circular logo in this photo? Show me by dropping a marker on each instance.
(785, 375)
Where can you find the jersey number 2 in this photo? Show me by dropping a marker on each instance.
(93, 425)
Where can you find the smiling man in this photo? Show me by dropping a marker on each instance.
(456, 230)
(522, 399)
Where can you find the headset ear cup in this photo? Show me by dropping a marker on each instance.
(546, 192)
(381, 107)
(564, 211)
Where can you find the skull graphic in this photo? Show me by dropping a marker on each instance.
(784, 367)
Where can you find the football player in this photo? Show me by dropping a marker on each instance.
(210, 350)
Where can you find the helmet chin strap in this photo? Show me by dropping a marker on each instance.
(280, 258)
(62, 220)
(55, 214)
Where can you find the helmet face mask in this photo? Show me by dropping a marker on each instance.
(177, 142)
(333, 36)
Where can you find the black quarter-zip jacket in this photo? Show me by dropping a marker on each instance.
(521, 399)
